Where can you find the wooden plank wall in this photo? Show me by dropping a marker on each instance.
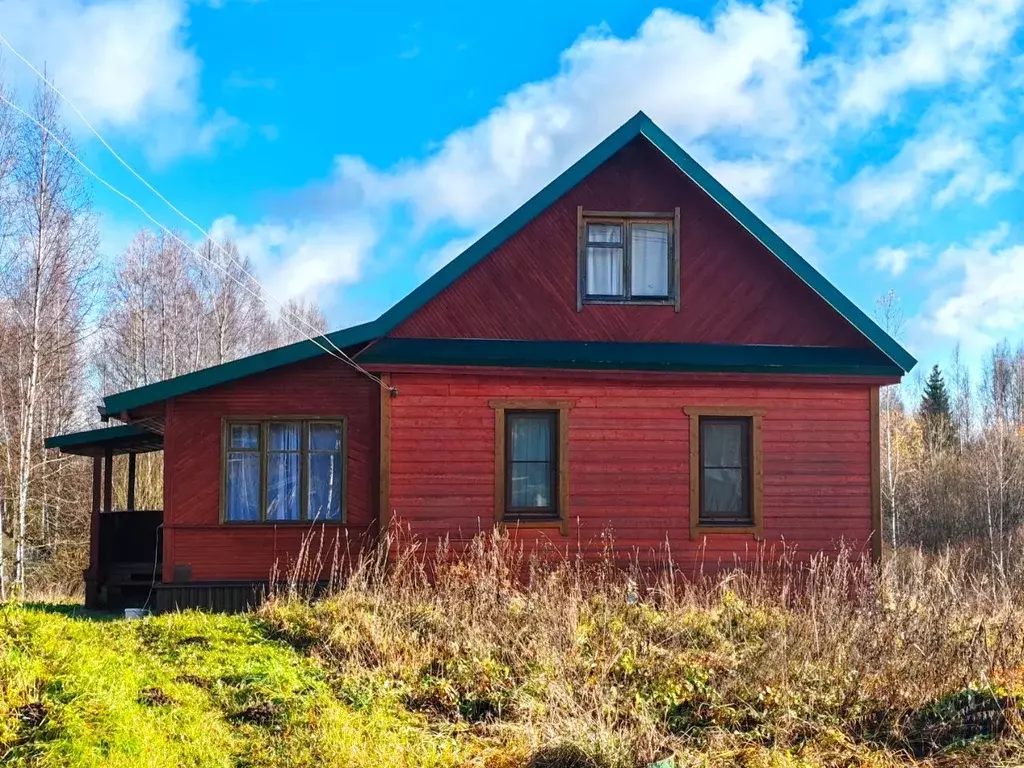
(734, 291)
(193, 534)
(628, 455)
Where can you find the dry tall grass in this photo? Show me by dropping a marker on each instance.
(558, 661)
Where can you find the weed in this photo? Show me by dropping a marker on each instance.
(155, 697)
(490, 659)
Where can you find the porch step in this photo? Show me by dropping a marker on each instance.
(130, 574)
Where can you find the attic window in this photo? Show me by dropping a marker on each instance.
(628, 258)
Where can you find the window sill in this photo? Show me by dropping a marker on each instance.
(718, 528)
(541, 523)
(669, 302)
(286, 523)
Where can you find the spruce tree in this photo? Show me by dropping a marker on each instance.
(935, 400)
(935, 411)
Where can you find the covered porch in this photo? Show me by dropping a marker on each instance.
(125, 544)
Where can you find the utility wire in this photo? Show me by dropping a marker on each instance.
(343, 357)
(178, 211)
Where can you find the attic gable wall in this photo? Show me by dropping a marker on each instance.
(734, 291)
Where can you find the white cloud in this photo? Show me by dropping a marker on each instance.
(748, 179)
(741, 91)
(938, 167)
(908, 45)
(125, 63)
(170, 140)
(799, 237)
(302, 259)
(741, 75)
(896, 260)
(982, 298)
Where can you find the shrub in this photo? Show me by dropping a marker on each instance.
(826, 660)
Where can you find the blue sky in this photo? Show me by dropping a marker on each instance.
(352, 149)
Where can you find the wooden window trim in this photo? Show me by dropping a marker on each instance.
(384, 458)
(562, 407)
(625, 219)
(875, 437)
(756, 416)
(304, 453)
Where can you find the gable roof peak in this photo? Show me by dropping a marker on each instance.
(639, 124)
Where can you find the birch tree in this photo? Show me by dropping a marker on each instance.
(298, 320)
(236, 318)
(8, 159)
(889, 314)
(46, 290)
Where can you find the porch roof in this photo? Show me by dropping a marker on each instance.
(126, 438)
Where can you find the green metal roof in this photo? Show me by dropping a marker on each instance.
(641, 125)
(126, 438)
(588, 355)
(638, 125)
(237, 369)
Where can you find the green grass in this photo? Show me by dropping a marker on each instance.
(188, 689)
(463, 662)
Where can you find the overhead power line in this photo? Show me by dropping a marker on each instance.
(57, 140)
(283, 308)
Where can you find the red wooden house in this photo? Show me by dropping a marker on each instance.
(631, 351)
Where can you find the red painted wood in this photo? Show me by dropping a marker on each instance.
(192, 469)
(629, 462)
(734, 291)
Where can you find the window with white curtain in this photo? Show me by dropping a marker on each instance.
(605, 260)
(725, 470)
(284, 470)
(531, 463)
(628, 259)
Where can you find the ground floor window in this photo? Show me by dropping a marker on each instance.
(725, 469)
(725, 465)
(531, 462)
(283, 470)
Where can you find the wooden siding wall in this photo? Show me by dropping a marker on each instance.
(193, 534)
(734, 291)
(628, 460)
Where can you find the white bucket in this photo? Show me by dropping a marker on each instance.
(134, 613)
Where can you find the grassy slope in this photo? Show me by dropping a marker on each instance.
(233, 697)
(922, 664)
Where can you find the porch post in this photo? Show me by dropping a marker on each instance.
(131, 482)
(108, 480)
(92, 572)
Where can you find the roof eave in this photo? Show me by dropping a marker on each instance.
(129, 400)
(124, 438)
(632, 356)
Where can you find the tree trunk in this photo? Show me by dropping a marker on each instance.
(3, 564)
